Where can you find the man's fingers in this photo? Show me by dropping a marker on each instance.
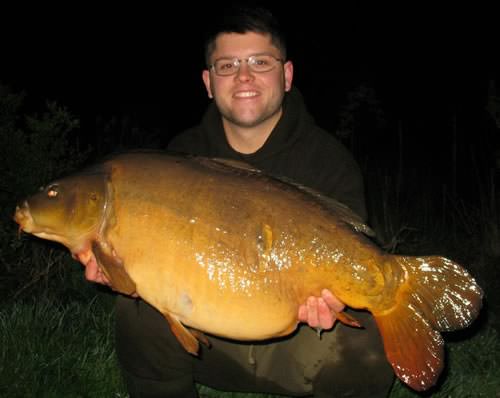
(312, 312)
(333, 302)
(326, 318)
(91, 270)
(320, 312)
(94, 274)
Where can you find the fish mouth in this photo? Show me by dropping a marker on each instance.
(23, 217)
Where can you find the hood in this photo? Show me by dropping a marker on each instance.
(294, 120)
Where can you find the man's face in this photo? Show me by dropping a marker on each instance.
(248, 98)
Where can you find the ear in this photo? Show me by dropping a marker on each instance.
(288, 69)
(206, 79)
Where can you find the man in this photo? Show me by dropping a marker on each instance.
(258, 118)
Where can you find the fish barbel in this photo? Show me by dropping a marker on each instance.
(223, 248)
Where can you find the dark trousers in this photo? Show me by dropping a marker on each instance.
(345, 362)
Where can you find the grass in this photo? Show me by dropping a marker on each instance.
(63, 350)
(66, 350)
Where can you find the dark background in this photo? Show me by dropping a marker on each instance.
(429, 68)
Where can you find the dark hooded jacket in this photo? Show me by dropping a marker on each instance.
(155, 364)
(297, 149)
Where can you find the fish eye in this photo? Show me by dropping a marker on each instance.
(52, 191)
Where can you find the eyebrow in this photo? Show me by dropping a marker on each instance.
(251, 55)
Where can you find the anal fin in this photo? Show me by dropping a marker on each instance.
(348, 320)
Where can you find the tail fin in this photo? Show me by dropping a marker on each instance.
(436, 294)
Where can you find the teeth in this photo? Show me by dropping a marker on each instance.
(246, 94)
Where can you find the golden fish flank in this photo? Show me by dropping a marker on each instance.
(223, 248)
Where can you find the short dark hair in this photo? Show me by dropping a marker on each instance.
(244, 19)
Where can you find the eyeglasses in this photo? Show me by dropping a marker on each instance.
(257, 63)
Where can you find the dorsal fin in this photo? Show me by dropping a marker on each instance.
(341, 211)
(239, 164)
(230, 165)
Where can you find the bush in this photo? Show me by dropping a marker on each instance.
(34, 149)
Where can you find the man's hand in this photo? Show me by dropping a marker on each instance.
(93, 272)
(321, 312)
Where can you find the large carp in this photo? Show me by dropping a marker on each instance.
(223, 248)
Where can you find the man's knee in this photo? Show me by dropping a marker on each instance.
(153, 362)
(361, 368)
(373, 381)
(139, 387)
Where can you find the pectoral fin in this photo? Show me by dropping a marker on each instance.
(185, 337)
(113, 268)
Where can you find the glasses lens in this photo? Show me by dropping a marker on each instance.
(226, 66)
(262, 63)
(256, 63)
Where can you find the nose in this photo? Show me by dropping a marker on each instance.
(244, 73)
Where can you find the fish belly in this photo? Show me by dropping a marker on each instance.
(224, 254)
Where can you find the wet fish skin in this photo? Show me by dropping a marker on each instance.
(223, 248)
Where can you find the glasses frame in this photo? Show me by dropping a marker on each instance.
(237, 64)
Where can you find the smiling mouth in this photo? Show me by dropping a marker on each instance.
(246, 94)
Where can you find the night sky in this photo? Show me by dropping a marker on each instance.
(427, 64)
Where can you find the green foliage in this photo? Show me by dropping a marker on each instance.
(64, 350)
(207, 392)
(34, 149)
